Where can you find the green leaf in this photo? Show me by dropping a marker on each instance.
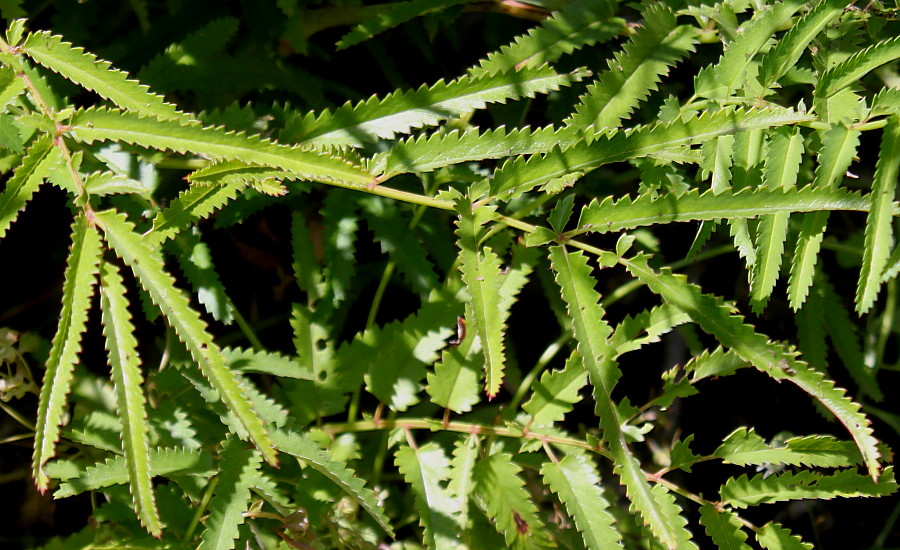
(78, 289)
(879, 222)
(11, 86)
(266, 362)
(556, 392)
(742, 492)
(104, 183)
(773, 536)
(839, 146)
(743, 447)
(429, 152)
(424, 469)
(501, 494)
(401, 112)
(781, 168)
(480, 269)
(645, 328)
(93, 125)
(238, 472)
(723, 527)
(714, 317)
(392, 16)
(195, 260)
(575, 480)
(715, 364)
(308, 451)
(462, 467)
(652, 209)
(573, 275)
(787, 51)
(124, 361)
(734, 66)
(635, 71)
(856, 66)
(114, 470)
(574, 26)
(86, 70)
(454, 384)
(36, 165)
(523, 174)
(191, 205)
(189, 327)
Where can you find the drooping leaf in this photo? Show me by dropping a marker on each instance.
(238, 472)
(574, 26)
(635, 71)
(838, 149)
(310, 453)
(742, 492)
(19, 189)
(714, 317)
(480, 269)
(879, 222)
(781, 167)
(93, 125)
(130, 402)
(391, 16)
(723, 527)
(401, 112)
(191, 329)
(575, 481)
(81, 275)
(97, 75)
(425, 469)
(592, 332)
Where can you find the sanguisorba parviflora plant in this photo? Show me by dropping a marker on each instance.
(193, 451)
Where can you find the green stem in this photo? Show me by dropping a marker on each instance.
(539, 367)
(201, 509)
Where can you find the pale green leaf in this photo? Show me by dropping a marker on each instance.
(93, 125)
(723, 527)
(125, 364)
(108, 183)
(454, 384)
(646, 327)
(462, 466)
(425, 469)
(238, 472)
(148, 267)
(11, 86)
(78, 289)
(635, 71)
(714, 364)
(742, 492)
(97, 75)
(575, 480)
(879, 222)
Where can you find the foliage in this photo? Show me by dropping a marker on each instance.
(410, 391)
